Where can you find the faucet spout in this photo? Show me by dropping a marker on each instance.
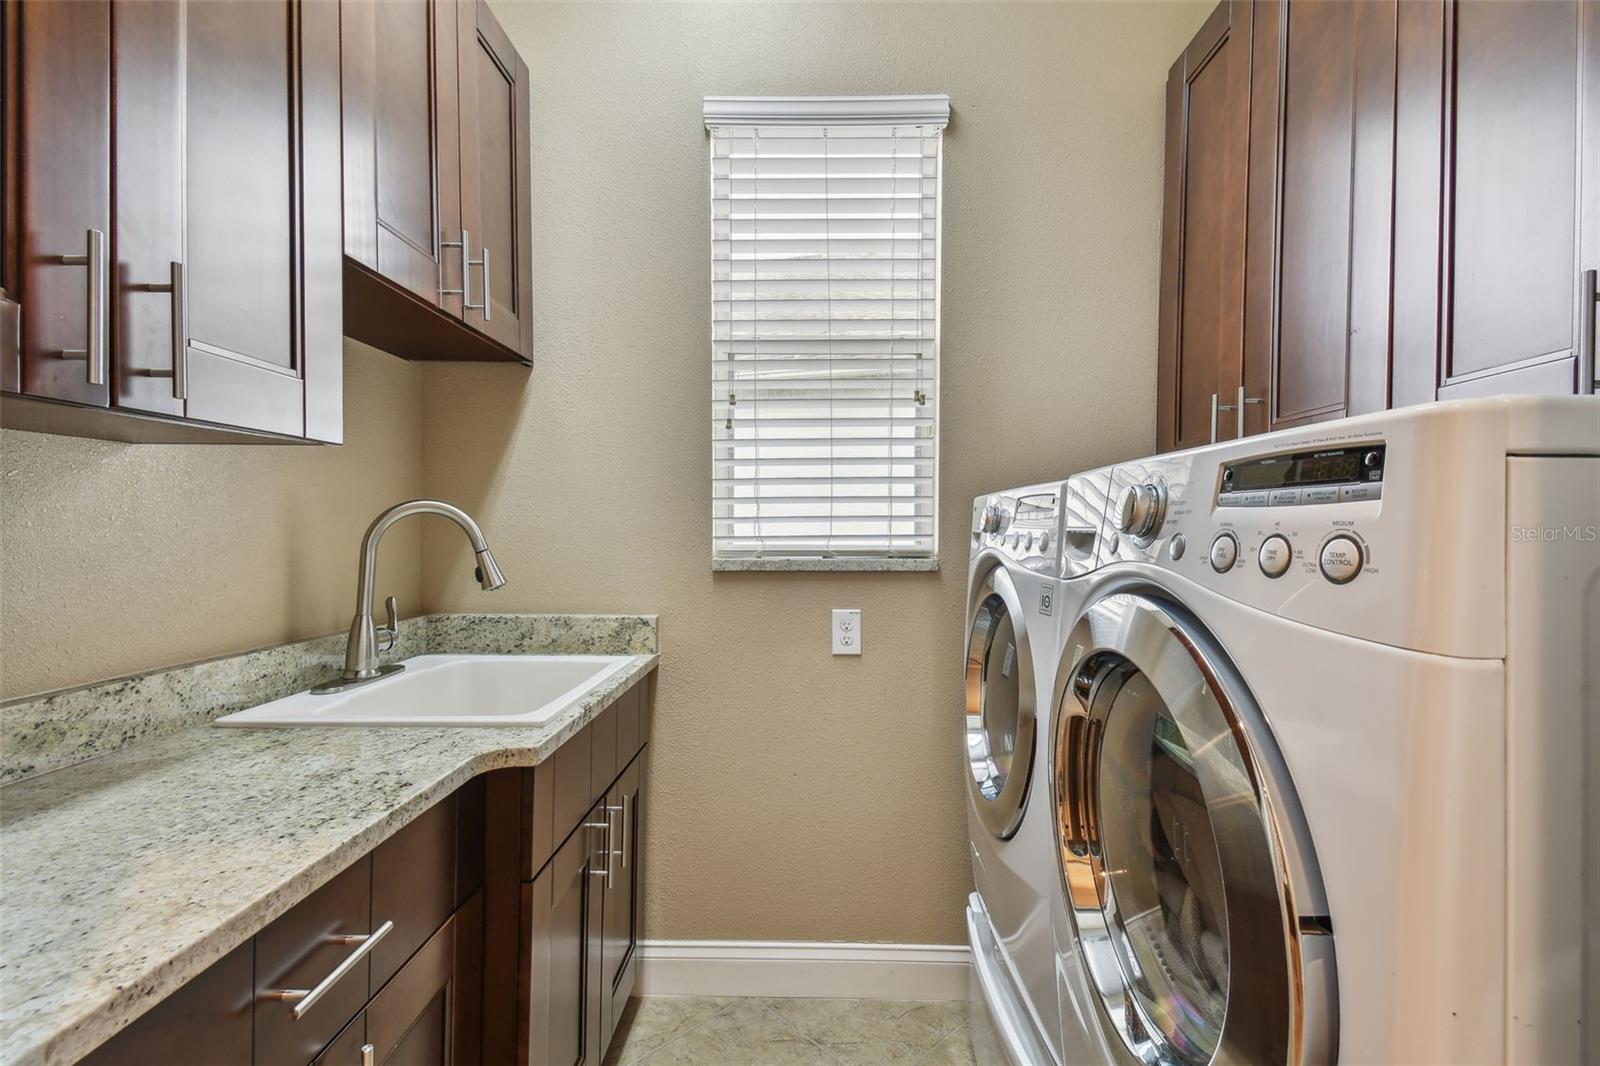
(361, 653)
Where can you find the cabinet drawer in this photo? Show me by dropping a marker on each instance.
(414, 886)
(298, 951)
(206, 1021)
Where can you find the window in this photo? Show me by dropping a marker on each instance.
(825, 331)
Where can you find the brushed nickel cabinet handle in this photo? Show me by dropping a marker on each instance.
(628, 800)
(94, 258)
(605, 870)
(306, 998)
(465, 292)
(1239, 406)
(466, 301)
(619, 853)
(1588, 307)
(369, 1055)
(180, 347)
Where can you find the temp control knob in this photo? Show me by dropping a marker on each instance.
(1340, 559)
(1144, 508)
(993, 518)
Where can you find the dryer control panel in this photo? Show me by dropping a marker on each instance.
(1390, 527)
(1023, 524)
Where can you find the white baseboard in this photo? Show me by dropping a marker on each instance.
(803, 969)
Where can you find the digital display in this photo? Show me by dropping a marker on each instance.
(1335, 466)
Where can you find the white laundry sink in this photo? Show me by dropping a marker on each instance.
(449, 690)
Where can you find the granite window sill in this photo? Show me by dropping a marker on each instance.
(825, 566)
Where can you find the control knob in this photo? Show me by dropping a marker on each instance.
(993, 518)
(1143, 509)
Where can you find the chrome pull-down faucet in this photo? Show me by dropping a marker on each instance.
(361, 653)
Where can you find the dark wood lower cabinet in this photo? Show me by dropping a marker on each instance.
(205, 1023)
(490, 956)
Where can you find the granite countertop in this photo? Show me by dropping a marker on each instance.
(129, 874)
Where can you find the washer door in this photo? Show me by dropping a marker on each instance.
(1170, 855)
(1000, 704)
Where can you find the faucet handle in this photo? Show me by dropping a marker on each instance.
(389, 635)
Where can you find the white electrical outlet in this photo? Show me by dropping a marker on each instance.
(846, 632)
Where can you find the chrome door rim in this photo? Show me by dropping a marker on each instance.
(1264, 1011)
(1001, 814)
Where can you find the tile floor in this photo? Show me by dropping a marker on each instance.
(708, 1031)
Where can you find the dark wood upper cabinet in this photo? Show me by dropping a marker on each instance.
(1203, 229)
(179, 219)
(437, 238)
(1423, 191)
(62, 82)
(1506, 187)
(1321, 162)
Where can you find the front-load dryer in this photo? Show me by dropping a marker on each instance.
(1012, 621)
(1324, 761)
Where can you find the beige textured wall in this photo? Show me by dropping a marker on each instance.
(116, 558)
(799, 796)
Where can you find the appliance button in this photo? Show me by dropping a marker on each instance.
(1370, 459)
(1224, 551)
(1341, 559)
(1258, 498)
(1230, 499)
(1176, 546)
(1274, 556)
(1027, 542)
(1371, 491)
(1320, 494)
(1044, 542)
(1283, 497)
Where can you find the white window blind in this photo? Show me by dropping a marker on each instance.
(825, 326)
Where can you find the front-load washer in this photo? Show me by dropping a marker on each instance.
(1325, 760)
(1012, 621)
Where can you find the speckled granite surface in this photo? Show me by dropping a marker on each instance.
(126, 875)
(56, 729)
(827, 566)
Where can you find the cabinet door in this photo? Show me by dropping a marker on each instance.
(228, 286)
(495, 190)
(205, 1021)
(402, 167)
(426, 1014)
(263, 299)
(623, 903)
(1509, 201)
(561, 971)
(1203, 230)
(1321, 167)
(64, 185)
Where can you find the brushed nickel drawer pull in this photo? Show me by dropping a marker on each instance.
(369, 1055)
(94, 258)
(306, 998)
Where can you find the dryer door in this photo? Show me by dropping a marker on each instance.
(1000, 704)
(1171, 855)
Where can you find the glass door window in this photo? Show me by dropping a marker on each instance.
(1166, 839)
(1000, 705)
